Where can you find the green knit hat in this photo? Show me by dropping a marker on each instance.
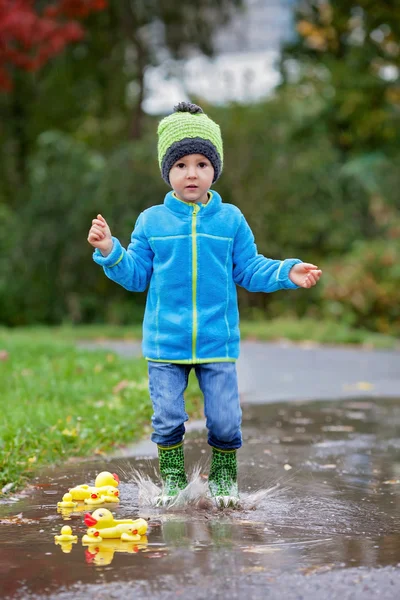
(188, 131)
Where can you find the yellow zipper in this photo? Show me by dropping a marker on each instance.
(196, 209)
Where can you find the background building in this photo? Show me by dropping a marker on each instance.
(244, 66)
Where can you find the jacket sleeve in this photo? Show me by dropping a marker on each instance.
(254, 271)
(132, 268)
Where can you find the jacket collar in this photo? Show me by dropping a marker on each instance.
(186, 208)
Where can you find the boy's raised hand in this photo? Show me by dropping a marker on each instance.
(304, 275)
(100, 235)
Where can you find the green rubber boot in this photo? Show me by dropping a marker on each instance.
(222, 480)
(172, 470)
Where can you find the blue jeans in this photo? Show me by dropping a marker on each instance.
(217, 381)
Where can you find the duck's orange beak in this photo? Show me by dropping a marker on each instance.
(116, 477)
(89, 520)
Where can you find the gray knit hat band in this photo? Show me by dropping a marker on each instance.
(190, 146)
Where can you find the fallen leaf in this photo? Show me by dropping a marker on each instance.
(70, 432)
(120, 386)
(252, 569)
(32, 459)
(316, 569)
(356, 415)
(391, 481)
(359, 385)
(343, 428)
(308, 344)
(260, 549)
(359, 405)
(287, 467)
(248, 522)
(301, 421)
(364, 385)
(4, 355)
(7, 487)
(16, 520)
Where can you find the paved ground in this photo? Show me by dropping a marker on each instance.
(319, 481)
(352, 584)
(271, 372)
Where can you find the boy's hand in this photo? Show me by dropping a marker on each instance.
(100, 235)
(304, 274)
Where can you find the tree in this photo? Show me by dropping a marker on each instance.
(154, 29)
(31, 34)
(347, 54)
(29, 38)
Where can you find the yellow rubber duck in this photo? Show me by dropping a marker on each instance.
(81, 492)
(67, 502)
(105, 478)
(111, 496)
(103, 495)
(95, 499)
(132, 535)
(106, 490)
(66, 535)
(103, 483)
(103, 520)
(92, 536)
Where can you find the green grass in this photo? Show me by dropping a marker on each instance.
(313, 330)
(295, 330)
(59, 402)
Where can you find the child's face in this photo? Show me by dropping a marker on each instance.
(191, 178)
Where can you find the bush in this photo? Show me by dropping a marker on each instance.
(363, 288)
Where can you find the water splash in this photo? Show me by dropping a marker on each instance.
(196, 494)
(253, 500)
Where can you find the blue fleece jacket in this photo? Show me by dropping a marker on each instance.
(193, 256)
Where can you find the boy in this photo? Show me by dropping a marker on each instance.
(192, 251)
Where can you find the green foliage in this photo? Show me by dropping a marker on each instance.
(48, 240)
(315, 168)
(348, 54)
(312, 331)
(362, 289)
(297, 195)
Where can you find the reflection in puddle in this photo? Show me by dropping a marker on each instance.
(101, 554)
(321, 490)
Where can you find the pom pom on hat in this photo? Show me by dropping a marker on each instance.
(188, 130)
(188, 107)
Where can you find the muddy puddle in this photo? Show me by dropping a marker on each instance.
(321, 489)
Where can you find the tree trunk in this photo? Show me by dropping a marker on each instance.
(137, 116)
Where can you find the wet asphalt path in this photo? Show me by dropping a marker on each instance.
(271, 372)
